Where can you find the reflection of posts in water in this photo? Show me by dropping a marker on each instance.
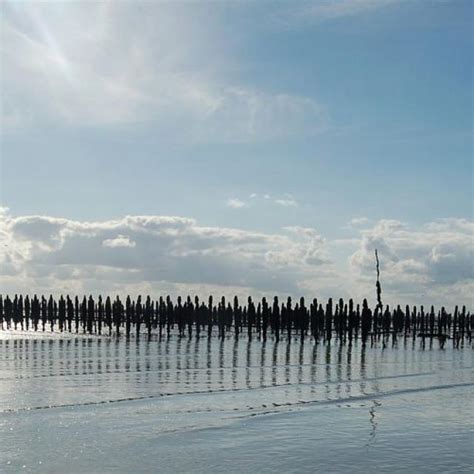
(287, 362)
(339, 371)
(314, 368)
(221, 363)
(235, 358)
(300, 366)
(262, 363)
(363, 369)
(328, 368)
(274, 363)
(209, 362)
(248, 365)
(349, 369)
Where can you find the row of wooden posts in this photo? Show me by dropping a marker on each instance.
(112, 316)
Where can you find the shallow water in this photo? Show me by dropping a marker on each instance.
(90, 404)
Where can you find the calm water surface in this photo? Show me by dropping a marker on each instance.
(80, 404)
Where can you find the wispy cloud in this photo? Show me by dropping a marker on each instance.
(308, 11)
(289, 202)
(359, 222)
(330, 9)
(87, 73)
(236, 203)
(286, 201)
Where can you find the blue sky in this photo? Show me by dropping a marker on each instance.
(255, 116)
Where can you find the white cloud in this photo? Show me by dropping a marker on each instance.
(289, 202)
(432, 264)
(309, 232)
(286, 201)
(42, 251)
(119, 241)
(113, 64)
(312, 246)
(359, 222)
(419, 262)
(235, 203)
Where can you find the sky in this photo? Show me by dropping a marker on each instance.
(238, 147)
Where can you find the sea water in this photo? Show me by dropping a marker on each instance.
(81, 404)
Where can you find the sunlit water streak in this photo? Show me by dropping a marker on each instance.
(105, 404)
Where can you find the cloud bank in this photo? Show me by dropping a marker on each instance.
(147, 252)
(177, 255)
